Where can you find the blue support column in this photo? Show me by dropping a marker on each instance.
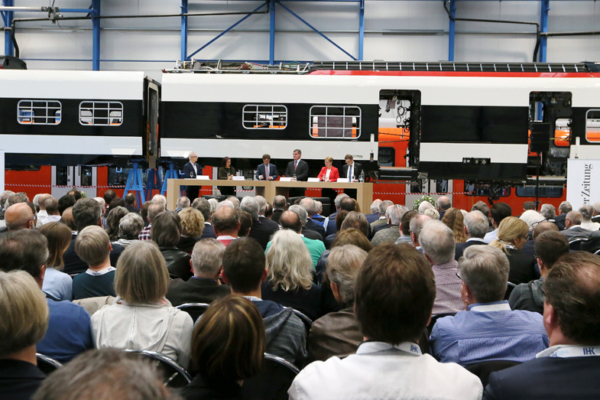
(171, 174)
(544, 28)
(272, 32)
(8, 16)
(451, 30)
(135, 183)
(184, 30)
(96, 35)
(361, 30)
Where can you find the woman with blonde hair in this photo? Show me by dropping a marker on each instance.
(192, 226)
(141, 318)
(453, 218)
(57, 284)
(290, 275)
(511, 237)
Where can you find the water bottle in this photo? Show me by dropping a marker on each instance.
(295, 179)
(362, 176)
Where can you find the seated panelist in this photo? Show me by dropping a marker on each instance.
(226, 173)
(266, 171)
(329, 173)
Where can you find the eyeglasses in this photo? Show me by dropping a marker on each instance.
(458, 276)
(537, 223)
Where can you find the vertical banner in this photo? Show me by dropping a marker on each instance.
(1, 171)
(583, 182)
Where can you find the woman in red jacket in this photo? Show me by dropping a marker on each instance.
(329, 173)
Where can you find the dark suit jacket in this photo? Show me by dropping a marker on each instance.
(331, 226)
(188, 170)
(301, 171)
(522, 269)
(312, 234)
(356, 170)
(195, 290)
(592, 244)
(329, 240)
(276, 216)
(19, 379)
(576, 233)
(75, 265)
(132, 209)
(372, 218)
(307, 302)
(460, 247)
(313, 226)
(208, 232)
(559, 220)
(547, 378)
(262, 230)
(260, 170)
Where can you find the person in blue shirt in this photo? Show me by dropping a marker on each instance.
(489, 330)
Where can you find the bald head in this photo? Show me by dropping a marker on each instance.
(291, 220)
(443, 203)
(42, 200)
(544, 227)
(67, 218)
(225, 221)
(573, 218)
(19, 216)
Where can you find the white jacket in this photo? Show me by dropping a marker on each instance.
(154, 327)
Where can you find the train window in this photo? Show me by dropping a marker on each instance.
(338, 122)
(545, 191)
(387, 156)
(263, 116)
(592, 126)
(483, 189)
(100, 113)
(39, 112)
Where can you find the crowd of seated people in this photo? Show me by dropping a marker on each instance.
(394, 303)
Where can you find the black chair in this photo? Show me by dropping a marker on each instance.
(175, 375)
(597, 252)
(46, 364)
(575, 244)
(215, 196)
(272, 382)
(307, 321)
(195, 310)
(485, 368)
(434, 319)
(509, 288)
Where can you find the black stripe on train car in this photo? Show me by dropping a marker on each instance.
(494, 171)
(133, 120)
(191, 120)
(13, 159)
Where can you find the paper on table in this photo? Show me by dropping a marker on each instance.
(203, 177)
(313, 180)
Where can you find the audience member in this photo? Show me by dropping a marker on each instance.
(153, 210)
(310, 206)
(549, 247)
(424, 206)
(532, 218)
(437, 241)
(383, 206)
(394, 215)
(67, 219)
(329, 224)
(269, 211)
(130, 227)
(279, 206)
(433, 213)
(69, 330)
(226, 225)
(140, 318)
(443, 204)
(511, 237)
(587, 211)
(117, 202)
(453, 218)
(3, 199)
(182, 203)
(529, 205)
(573, 229)
(485, 210)
(204, 286)
(563, 209)
(203, 206)
(338, 333)
(131, 203)
(568, 369)
(489, 330)
(416, 226)
(53, 215)
(235, 201)
(404, 227)
(356, 220)
(244, 268)
(144, 213)
(166, 232)
(228, 347)
(86, 212)
(245, 223)
(93, 246)
(19, 216)
(106, 374)
(289, 282)
(596, 214)
(109, 196)
(192, 225)
(290, 220)
(160, 199)
(113, 219)
(262, 228)
(374, 208)
(476, 226)
(548, 211)
(42, 214)
(103, 204)
(24, 322)
(303, 215)
(394, 296)
(57, 285)
(17, 198)
(65, 202)
(499, 211)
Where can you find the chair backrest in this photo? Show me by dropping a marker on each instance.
(47, 364)
(575, 244)
(175, 375)
(597, 252)
(272, 382)
(307, 321)
(194, 309)
(485, 368)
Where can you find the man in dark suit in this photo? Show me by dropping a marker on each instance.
(262, 228)
(203, 206)
(299, 170)
(204, 286)
(573, 230)
(350, 173)
(266, 171)
(279, 206)
(311, 208)
(476, 226)
(569, 368)
(563, 209)
(131, 203)
(191, 170)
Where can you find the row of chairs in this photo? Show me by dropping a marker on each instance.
(575, 245)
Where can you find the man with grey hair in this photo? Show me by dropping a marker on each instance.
(587, 211)
(442, 205)
(225, 203)
(476, 226)
(205, 208)
(596, 215)
(548, 211)
(279, 206)
(262, 228)
(235, 201)
(303, 215)
(329, 224)
(130, 227)
(374, 216)
(154, 209)
(416, 226)
(573, 229)
(437, 241)
(51, 205)
(204, 286)
(383, 206)
(182, 202)
(560, 219)
(42, 215)
(394, 215)
(159, 198)
(489, 330)
(310, 206)
(424, 206)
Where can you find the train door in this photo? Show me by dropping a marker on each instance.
(64, 178)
